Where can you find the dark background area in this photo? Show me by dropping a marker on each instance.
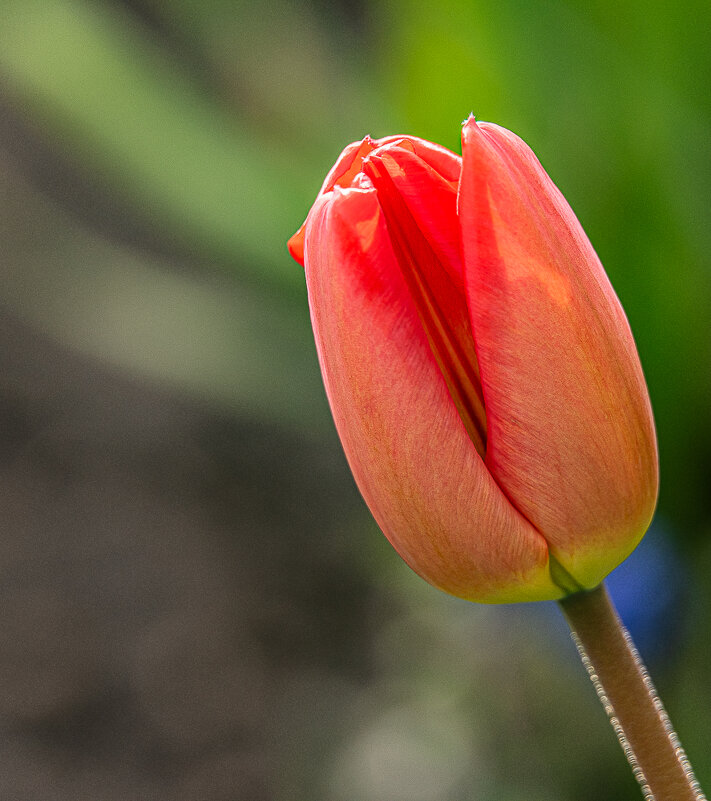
(194, 601)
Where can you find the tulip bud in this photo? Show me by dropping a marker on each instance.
(480, 369)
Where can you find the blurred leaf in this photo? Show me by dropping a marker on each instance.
(233, 347)
(133, 118)
(283, 66)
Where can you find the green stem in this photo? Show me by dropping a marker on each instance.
(630, 700)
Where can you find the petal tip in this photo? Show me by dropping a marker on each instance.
(470, 128)
(296, 246)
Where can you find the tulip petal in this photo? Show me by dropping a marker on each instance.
(420, 214)
(341, 174)
(430, 197)
(347, 168)
(570, 434)
(414, 463)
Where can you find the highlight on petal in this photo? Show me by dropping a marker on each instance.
(570, 432)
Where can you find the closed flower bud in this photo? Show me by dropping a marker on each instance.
(480, 369)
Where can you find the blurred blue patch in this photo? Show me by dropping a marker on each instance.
(648, 590)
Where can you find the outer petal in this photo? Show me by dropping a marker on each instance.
(423, 480)
(570, 431)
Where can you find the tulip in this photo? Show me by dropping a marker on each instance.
(480, 369)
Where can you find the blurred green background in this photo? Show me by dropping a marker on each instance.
(194, 601)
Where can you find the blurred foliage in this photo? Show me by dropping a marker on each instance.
(156, 155)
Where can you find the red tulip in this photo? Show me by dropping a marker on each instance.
(480, 369)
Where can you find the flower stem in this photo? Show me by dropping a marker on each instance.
(629, 698)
